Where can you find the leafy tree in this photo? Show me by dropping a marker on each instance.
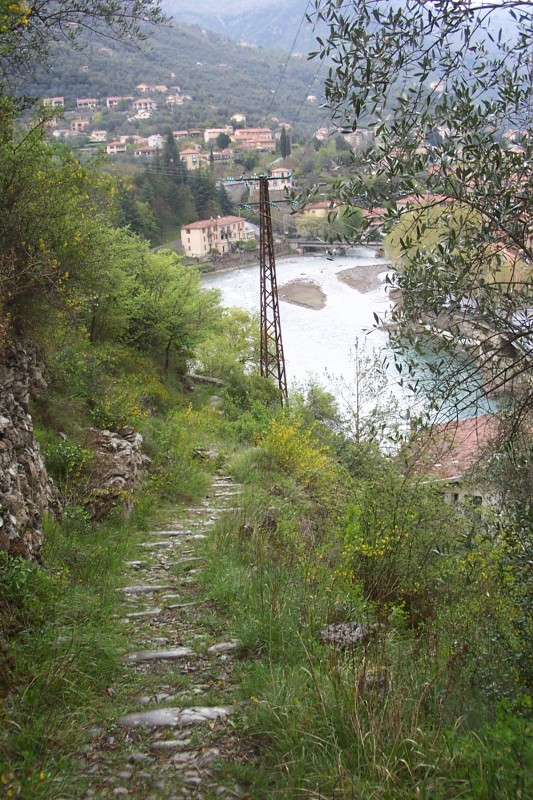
(30, 29)
(223, 141)
(170, 312)
(205, 193)
(134, 213)
(461, 69)
(46, 200)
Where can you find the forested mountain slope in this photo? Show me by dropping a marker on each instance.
(221, 76)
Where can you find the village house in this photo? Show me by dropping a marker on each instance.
(142, 114)
(281, 179)
(239, 119)
(114, 148)
(180, 134)
(79, 125)
(177, 99)
(193, 159)
(55, 102)
(148, 87)
(318, 210)
(87, 102)
(132, 138)
(322, 134)
(63, 133)
(212, 235)
(447, 456)
(211, 134)
(98, 136)
(144, 104)
(223, 155)
(112, 102)
(255, 139)
(155, 140)
(146, 152)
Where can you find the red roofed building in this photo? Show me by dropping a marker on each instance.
(450, 451)
(208, 235)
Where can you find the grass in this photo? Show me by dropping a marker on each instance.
(64, 649)
(420, 710)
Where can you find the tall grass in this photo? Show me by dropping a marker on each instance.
(418, 710)
(63, 648)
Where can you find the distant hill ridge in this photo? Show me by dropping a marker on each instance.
(267, 23)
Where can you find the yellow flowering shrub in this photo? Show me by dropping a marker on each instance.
(291, 448)
(397, 538)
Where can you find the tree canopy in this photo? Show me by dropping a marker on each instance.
(29, 29)
(446, 89)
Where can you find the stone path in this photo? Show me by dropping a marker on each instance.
(172, 745)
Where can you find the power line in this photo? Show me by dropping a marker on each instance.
(287, 62)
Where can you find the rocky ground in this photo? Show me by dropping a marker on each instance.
(176, 739)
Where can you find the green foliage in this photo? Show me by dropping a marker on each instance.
(409, 711)
(398, 536)
(67, 461)
(39, 238)
(172, 442)
(66, 653)
(30, 31)
(444, 90)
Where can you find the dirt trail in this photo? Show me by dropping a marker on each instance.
(174, 740)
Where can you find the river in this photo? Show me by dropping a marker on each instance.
(319, 343)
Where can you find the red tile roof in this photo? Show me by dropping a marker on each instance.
(207, 223)
(449, 450)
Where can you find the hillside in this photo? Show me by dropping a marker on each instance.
(267, 23)
(221, 76)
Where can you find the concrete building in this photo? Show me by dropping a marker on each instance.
(201, 238)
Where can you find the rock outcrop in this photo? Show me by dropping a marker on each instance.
(26, 491)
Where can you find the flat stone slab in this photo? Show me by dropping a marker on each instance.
(146, 589)
(176, 533)
(153, 545)
(224, 647)
(174, 717)
(169, 744)
(150, 612)
(159, 655)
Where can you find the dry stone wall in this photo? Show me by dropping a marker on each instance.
(117, 470)
(26, 492)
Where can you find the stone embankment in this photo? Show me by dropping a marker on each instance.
(173, 742)
(26, 492)
(117, 469)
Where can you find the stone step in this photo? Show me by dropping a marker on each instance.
(150, 612)
(153, 545)
(172, 654)
(224, 647)
(146, 588)
(174, 717)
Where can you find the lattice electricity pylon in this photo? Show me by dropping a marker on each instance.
(272, 358)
